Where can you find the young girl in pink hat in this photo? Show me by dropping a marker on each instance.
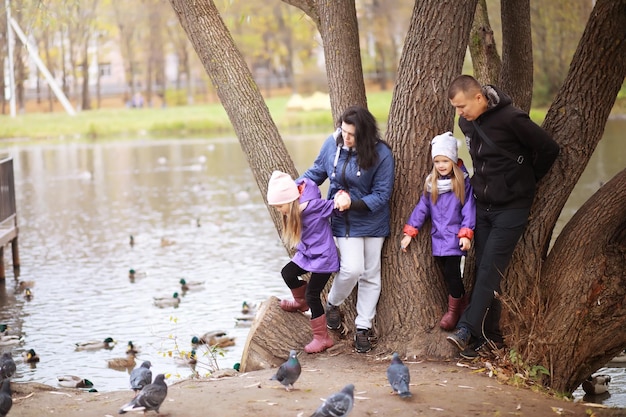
(306, 227)
(448, 202)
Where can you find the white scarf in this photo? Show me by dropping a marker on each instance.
(443, 185)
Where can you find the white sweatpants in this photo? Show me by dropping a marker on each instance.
(360, 263)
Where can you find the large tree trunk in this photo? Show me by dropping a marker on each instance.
(414, 294)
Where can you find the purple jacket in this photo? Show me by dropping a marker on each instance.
(450, 220)
(316, 251)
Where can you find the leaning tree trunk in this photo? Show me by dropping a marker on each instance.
(576, 119)
(586, 270)
(413, 292)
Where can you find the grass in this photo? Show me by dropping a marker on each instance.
(182, 121)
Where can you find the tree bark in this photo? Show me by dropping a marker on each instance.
(413, 291)
(482, 45)
(516, 76)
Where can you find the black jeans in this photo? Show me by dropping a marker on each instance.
(317, 282)
(496, 234)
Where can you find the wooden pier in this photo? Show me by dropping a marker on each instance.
(8, 215)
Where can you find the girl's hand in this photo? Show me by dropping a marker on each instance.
(342, 200)
(405, 242)
(465, 244)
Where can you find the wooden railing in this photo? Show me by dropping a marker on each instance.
(8, 214)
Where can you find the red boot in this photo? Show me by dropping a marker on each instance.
(321, 340)
(451, 318)
(298, 303)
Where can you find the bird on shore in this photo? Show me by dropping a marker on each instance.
(140, 377)
(107, 343)
(73, 381)
(337, 405)
(6, 401)
(398, 376)
(30, 356)
(164, 302)
(7, 365)
(596, 384)
(289, 372)
(149, 398)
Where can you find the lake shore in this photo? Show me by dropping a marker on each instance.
(439, 389)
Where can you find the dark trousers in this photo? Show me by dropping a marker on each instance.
(496, 234)
(451, 268)
(291, 273)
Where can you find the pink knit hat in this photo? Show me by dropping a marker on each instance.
(446, 145)
(281, 189)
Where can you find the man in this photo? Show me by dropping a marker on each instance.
(510, 153)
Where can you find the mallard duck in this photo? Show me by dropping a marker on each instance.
(187, 358)
(596, 384)
(131, 349)
(131, 241)
(73, 381)
(10, 340)
(166, 242)
(214, 338)
(22, 285)
(107, 343)
(134, 274)
(30, 356)
(247, 308)
(163, 302)
(122, 363)
(190, 285)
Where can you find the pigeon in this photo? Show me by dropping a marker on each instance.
(149, 398)
(337, 405)
(596, 384)
(289, 372)
(7, 366)
(140, 377)
(398, 376)
(6, 402)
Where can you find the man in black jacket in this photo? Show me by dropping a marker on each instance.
(510, 153)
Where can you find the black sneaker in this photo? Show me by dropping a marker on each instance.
(481, 347)
(460, 338)
(362, 341)
(333, 317)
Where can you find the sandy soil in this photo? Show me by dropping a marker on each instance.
(439, 389)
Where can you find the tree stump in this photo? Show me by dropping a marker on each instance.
(273, 334)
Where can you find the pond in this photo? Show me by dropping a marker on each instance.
(194, 211)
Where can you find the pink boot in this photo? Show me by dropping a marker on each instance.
(451, 318)
(298, 303)
(321, 340)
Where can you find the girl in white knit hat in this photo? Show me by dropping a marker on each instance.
(306, 227)
(448, 201)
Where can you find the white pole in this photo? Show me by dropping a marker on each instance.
(42, 67)
(10, 41)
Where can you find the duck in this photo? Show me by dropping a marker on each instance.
(596, 384)
(131, 241)
(107, 343)
(190, 285)
(122, 363)
(215, 338)
(167, 242)
(30, 356)
(163, 302)
(134, 274)
(22, 285)
(28, 294)
(131, 349)
(247, 308)
(73, 381)
(187, 358)
(10, 340)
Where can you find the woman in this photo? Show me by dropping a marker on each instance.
(357, 161)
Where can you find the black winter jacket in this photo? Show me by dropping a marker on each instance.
(498, 181)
